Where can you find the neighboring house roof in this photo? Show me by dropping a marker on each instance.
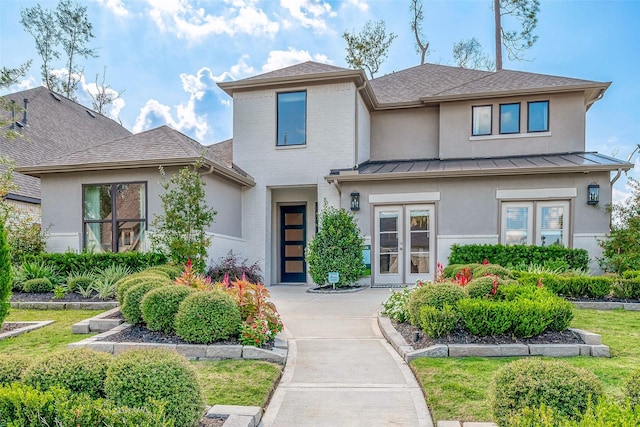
(55, 126)
(512, 165)
(161, 146)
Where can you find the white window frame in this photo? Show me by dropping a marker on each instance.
(534, 219)
(565, 221)
(506, 205)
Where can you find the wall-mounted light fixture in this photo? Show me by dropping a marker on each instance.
(355, 201)
(593, 194)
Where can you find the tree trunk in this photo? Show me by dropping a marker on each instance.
(498, 34)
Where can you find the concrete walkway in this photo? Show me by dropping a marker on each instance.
(340, 370)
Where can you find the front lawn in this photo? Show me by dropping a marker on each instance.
(227, 382)
(457, 389)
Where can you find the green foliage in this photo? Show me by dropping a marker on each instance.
(337, 246)
(531, 382)
(491, 269)
(435, 295)
(181, 228)
(79, 370)
(631, 274)
(12, 367)
(626, 288)
(485, 317)
(438, 322)
(6, 279)
(396, 306)
(39, 285)
(24, 234)
(106, 279)
(234, 268)
(482, 286)
(632, 388)
(605, 414)
(570, 286)
(205, 317)
(132, 298)
(621, 251)
(452, 270)
(36, 270)
(368, 48)
(515, 255)
(131, 280)
(159, 306)
(137, 378)
(75, 281)
(172, 271)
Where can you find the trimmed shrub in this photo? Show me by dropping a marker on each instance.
(560, 314)
(12, 368)
(452, 270)
(127, 282)
(79, 370)
(482, 286)
(631, 274)
(76, 281)
(170, 270)
(205, 317)
(485, 317)
(626, 288)
(606, 413)
(40, 285)
(137, 378)
(133, 296)
(396, 306)
(632, 388)
(531, 382)
(159, 306)
(436, 323)
(435, 295)
(570, 286)
(492, 269)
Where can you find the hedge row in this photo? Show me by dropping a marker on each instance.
(514, 255)
(66, 263)
(584, 286)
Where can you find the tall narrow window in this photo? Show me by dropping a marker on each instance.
(481, 120)
(538, 116)
(114, 217)
(292, 118)
(509, 118)
(552, 223)
(517, 223)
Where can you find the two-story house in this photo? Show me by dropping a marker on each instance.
(425, 158)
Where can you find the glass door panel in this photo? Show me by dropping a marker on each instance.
(419, 260)
(293, 268)
(388, 229)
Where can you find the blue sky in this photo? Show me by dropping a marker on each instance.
(167, 55)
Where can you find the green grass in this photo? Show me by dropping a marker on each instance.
(457, 389)
(226, 382)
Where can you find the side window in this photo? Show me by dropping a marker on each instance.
(551, 225)
(538, 116)
(517, 223)
(292, 118)
(510, 118)
(481, 120)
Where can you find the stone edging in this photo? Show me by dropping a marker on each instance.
(97, 323)
(323, 290)
(602, 305)
(29, 326)
(236, 416)
(592, 347)
(190, 351)
(64, 305)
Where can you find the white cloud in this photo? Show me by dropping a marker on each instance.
(116, 7)
(358, 4)
(194, 24)
(28, 83)
(309, 13)
(283, 58)
(110, 110)
(241, 67)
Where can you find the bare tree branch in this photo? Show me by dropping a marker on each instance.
(422, 47)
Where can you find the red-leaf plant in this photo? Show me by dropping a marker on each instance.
(464, 277)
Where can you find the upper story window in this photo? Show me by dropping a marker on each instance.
(292, 118)
(481, 120)
(114, 216)
(510, 118)
(538, 117)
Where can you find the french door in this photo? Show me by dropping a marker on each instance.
(404, 244)
(293, 231)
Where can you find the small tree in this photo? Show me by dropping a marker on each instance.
(5, 274)
(180, 230)
(368, 48)
(337, 246)
(621, 251)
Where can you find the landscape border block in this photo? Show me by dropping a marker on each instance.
(29, 326)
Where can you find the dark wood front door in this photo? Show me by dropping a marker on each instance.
(293, 231)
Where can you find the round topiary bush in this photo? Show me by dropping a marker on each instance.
(435, 295)
(205, 317)
(134, 279)
(482, 286)
(159, 306)
(452, 270)
(531, 382)
(137, 378)
(133, 296)
(493, 269)
(170, 270)
(38, 285)
(632, 388)
(79, 370)
(12, 368)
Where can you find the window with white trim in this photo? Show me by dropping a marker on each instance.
(542, 223)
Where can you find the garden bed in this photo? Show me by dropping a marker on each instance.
(50, 297)
(12, 329)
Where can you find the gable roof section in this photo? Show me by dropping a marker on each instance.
(161, 146)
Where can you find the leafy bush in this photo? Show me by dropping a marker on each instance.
(396, 306)
(531, 382)
(39, 285)
(127, 282)
(452, 270)
(491, 269)
(337, 246)
(605, 414)
(77, 281)
(482, 286)
(485, 317)
(12, 367)
(631, 274)
(137, 378)
(513, 255)
(231, 267)
(78, 370)
(435, 295)
(570, 286)
(172, 271)
(205, 317)
(626, 288)
(256, 333)
(632, 388)
(436, 323)
(6, 279)
(37, 270)
(159, 306)
(133, 297)
(106, 279)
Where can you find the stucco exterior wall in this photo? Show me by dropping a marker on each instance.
(364, 132)
(405, 134)
(566, 128)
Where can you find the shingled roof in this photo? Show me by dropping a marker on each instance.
(55, 126)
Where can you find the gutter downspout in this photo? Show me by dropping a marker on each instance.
(355, 132)
(615, 178)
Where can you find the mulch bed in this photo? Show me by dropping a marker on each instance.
(605, 299)
(50, 297)
(460, 336)
(10, 326)
(139, 333)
